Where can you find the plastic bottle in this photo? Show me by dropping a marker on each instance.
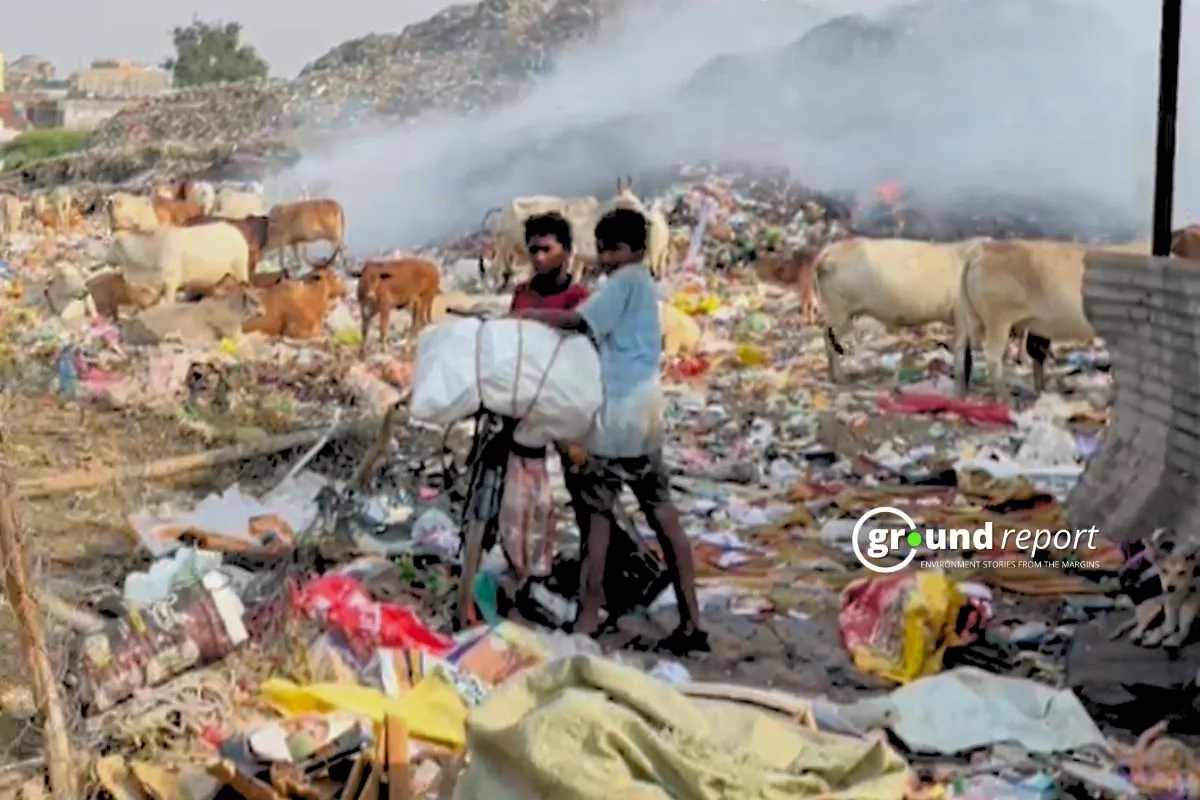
(68, 376)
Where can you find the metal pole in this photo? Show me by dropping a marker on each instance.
(1168, 103)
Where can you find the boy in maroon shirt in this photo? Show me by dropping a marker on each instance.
(548, 239)
(527, 528)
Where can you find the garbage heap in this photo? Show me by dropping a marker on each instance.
(463, 58)
(295, 641)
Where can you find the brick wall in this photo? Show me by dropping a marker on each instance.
(1148, 472)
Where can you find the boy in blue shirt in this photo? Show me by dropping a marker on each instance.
(625, 447)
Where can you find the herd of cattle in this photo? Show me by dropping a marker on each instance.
(206, 241)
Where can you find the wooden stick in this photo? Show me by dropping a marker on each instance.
(32, 638)
(170, 467)
(379, 449)
(246, 786)
(399, 770)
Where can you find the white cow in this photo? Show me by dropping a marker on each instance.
(899, 282)
(169, 259)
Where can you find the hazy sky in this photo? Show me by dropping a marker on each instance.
(288, 35)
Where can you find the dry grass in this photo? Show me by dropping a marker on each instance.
(78, 543)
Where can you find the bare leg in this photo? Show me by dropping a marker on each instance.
(591, 574)
(681, 561)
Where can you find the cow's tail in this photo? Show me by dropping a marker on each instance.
(339, 247)
(968, 325)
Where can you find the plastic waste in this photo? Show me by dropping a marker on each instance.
(341, 602)
(432, 709)
(991, 787)
(68, 375)
(194, 626)
(185, 567)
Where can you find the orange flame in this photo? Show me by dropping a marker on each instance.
(889, 193)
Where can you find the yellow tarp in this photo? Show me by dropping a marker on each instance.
(432, 710)
(591, 729)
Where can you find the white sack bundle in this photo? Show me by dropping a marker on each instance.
(518, 368)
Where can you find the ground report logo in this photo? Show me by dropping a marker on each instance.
(886, 539)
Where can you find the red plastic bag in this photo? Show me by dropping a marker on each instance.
(341, 602)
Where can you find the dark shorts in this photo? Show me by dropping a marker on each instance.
(601, 480)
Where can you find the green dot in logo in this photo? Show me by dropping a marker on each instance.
(914, 539)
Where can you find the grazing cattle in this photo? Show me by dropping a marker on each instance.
(290, 225)
(658, 230)
(508, 233)
(210, 320)
(170, 259)
(253, 230)
(387, 284)
(296, 308)
(1007, 286)
(899, 282)
(795, 269)
(235, 204)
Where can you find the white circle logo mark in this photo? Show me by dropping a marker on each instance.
(858, 527)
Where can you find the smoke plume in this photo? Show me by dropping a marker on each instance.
(1049, 99)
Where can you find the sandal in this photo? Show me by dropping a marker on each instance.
(677, 643)
(681, 642)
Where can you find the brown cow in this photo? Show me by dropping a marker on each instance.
(795, 269)
(293, 224)
(111, 293)
(296, 307)
(168, 191)
(253, 230)
(387, 284)
(176, 212)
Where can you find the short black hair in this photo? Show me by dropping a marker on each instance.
(552, 224)
(622, 226)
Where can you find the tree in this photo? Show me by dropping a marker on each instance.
(213, 52)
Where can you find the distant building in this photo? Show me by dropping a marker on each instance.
(24, 110)
(1, 73)
(27, 73)
(112, 80)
